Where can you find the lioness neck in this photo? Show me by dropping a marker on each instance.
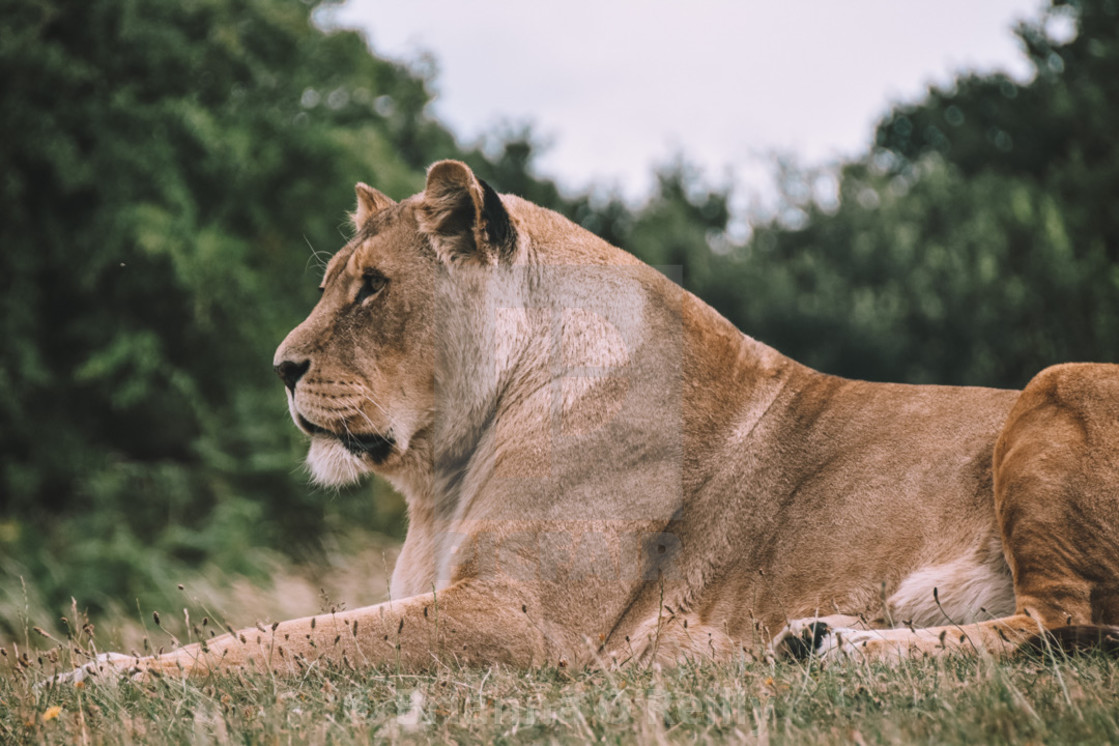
(731, 383)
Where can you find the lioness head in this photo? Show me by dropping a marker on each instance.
(360, 370)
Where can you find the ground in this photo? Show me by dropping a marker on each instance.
(1032, 700)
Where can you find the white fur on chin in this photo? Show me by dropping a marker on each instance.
(332, 465)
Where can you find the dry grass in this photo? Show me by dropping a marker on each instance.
(954, 701)
(352, 571)
(1067, 700)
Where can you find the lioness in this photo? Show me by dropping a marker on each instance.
(601, 469)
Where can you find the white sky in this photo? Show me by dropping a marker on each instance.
(618, 86)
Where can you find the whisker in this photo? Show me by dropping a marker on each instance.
(369, 397)
(365, 417)
(316, 256)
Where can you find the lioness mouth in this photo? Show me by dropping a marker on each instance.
(376, 446)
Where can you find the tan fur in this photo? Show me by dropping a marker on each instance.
(600, 469)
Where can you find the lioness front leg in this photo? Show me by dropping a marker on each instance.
(466, 623)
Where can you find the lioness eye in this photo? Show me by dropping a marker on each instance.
(372, 283)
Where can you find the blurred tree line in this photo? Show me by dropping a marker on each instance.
(976, 243)
(173, 174)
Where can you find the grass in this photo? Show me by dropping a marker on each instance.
(1072, 700)
(1028, 700)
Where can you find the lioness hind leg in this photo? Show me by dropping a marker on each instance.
(803, 638)
(1056, 475)
(1056, 469)
(999, 637)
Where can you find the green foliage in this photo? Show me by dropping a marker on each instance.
(166, 170)
(976, 243)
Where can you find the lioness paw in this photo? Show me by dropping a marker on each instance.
(803, 639)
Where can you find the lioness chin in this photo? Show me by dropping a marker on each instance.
(600, 469)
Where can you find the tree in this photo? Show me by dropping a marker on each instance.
(173, 174)
(975, 244)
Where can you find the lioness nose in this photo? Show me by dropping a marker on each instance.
(290, 372)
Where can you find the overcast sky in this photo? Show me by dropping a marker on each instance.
(618, 86)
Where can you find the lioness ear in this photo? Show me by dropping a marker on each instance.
(369, 203)
(463, 215)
